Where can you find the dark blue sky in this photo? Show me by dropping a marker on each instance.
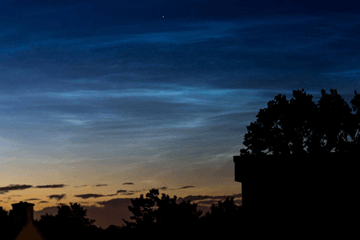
(140, 85)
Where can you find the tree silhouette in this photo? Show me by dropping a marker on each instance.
(143, 210)
(163, 217)
(173, 215)
(77, 215)
(162, 214)
(69, 220)
(224, 210)
(225, 216)
(301, 126)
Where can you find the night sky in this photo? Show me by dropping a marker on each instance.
(101, 101)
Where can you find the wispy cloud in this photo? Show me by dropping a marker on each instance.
(57, 196)
(13, 187)
(89, 195)
(51, 186)
(349, 73)
(101, 185)
(186, 187)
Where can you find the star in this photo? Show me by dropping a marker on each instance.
(163, 16)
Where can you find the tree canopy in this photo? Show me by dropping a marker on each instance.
(153, 215)
(302, 126)
(155, 212)
(165, 216)
(69, 219)
(76, 212)
(225, 215)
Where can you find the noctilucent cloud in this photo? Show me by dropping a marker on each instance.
(102, 100)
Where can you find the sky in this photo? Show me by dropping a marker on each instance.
(100, 101)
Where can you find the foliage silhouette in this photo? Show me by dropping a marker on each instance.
(77, 215)
(71, 221)
(152, 216)
(224, 210)
(225, 216)
(155, 213)
(169, 212)
(301, 126)
(143, 210)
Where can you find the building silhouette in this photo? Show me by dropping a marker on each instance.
(22, 216)
(292, 195)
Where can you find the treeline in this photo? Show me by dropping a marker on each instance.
(152, 216)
